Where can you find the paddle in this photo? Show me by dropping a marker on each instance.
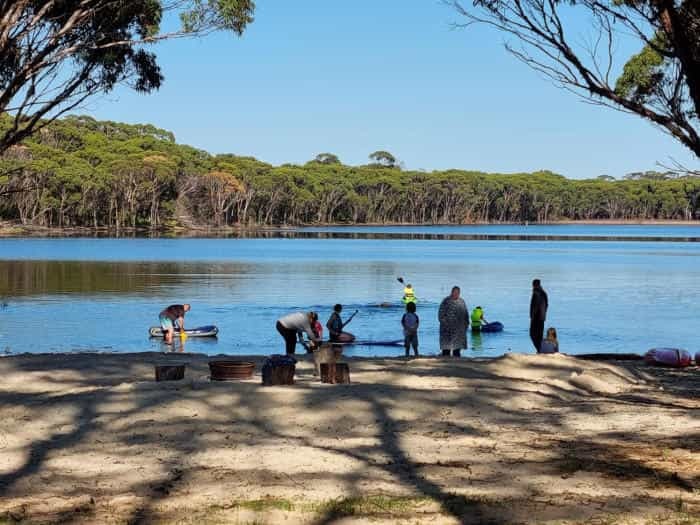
(350, 318)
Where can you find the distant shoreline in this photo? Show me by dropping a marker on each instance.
(11, 229)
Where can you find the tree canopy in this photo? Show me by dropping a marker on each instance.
(660, 83)
(383, 158)
(327, 158)
(54, 55)
(82, 172)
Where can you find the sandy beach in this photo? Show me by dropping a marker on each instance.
(92, 438)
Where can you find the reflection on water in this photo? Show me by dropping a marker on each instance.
(23, 278)
(477, 342)
(682, 232)
(103, 294)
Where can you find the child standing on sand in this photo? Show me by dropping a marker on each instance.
(550, 345)
(410, 322)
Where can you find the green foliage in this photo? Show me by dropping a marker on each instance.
(83, 172)
(327, 158)
(643, 73)
(55, 55)
(233, 15)
(383, 158)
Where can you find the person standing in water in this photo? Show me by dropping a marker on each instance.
(538, 313)
(172, 316)
(410, 322)
(454, 322)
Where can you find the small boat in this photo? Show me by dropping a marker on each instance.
(673, 357)
(200, 331)
(491, 327)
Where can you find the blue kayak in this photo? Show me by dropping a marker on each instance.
(492, 327)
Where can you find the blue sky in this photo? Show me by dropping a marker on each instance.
(350, 78)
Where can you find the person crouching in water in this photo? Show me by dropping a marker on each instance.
(173, 316)
(293, 325)
(335, 324)
(549, 345)
(410, 322)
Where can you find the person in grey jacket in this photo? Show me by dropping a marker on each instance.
(292, 325)
(538, 313)
(454, 322)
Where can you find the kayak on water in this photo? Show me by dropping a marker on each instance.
(492, 327)
(674, 357)
(200, 331)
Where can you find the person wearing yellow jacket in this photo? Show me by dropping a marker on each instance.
(478, 319)
(409, 294)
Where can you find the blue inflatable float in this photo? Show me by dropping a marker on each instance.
(492, 327)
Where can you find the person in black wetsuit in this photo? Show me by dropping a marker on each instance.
(538, 313)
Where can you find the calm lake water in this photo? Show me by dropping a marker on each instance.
(611, 288)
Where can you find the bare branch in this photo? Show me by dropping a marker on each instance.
(587, 70)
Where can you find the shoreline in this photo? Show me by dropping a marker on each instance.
(12, 229)
(92, 438)
(607, 356)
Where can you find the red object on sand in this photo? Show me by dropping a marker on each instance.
(318, 329)
(674, 357)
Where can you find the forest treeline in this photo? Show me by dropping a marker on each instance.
(82, 172)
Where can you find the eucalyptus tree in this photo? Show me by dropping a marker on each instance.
(327, 158)
(660, 82)
(56, 54)
(383, 158)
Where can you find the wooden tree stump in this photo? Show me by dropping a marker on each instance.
(278, 375)
(170, 372)
(342, 373)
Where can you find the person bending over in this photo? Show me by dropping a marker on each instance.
(173, 316)
(293, 325)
